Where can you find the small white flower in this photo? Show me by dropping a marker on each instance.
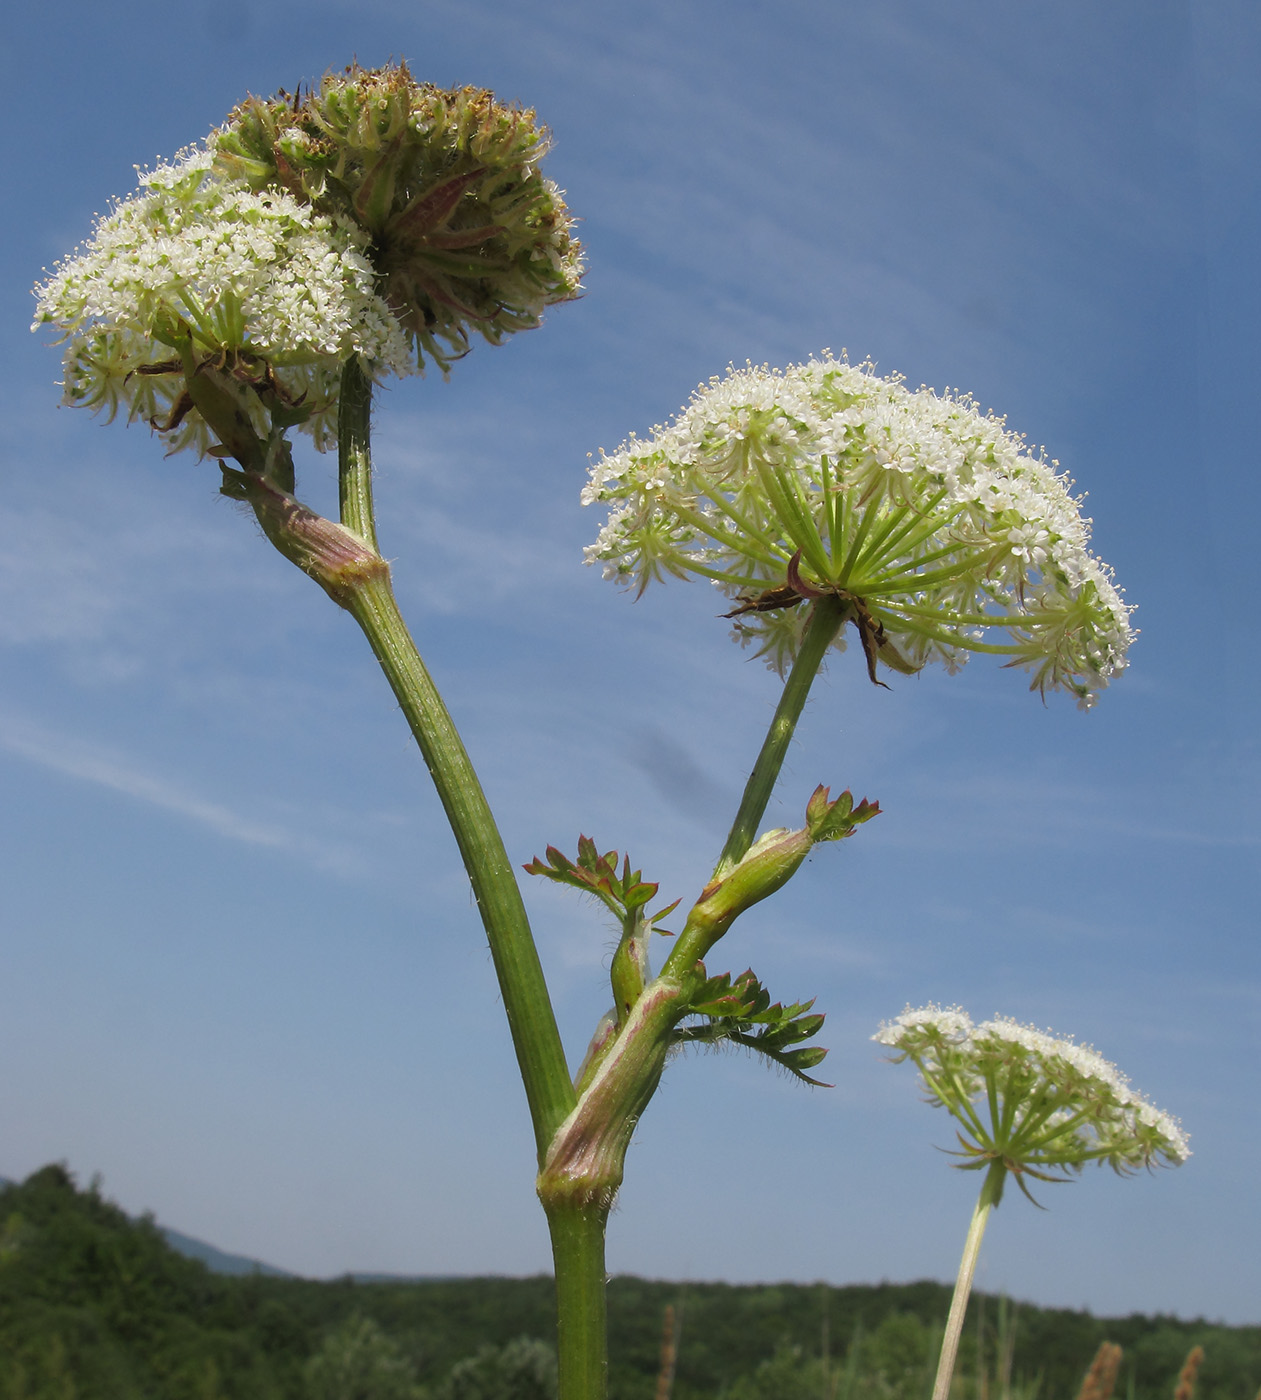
(199, 265)
(1052, 1104)
(933, 522)
(925, 1024)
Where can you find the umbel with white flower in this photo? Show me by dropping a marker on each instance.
(376, 219)
(266, 280)
(194, 276)
(932, 525)
(1028, 1104)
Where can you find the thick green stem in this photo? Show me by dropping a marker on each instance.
(344, 560)
(577, 1227)
(991, 1190)
(369, 598)
(581, 1312)
(827, 617)
(534, 1034)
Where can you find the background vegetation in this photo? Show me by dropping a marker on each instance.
(97, 1306)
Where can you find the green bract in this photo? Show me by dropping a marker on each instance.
(929, 520)
(1036, 1105)
(463, 230)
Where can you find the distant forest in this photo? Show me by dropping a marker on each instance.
(97, 1306)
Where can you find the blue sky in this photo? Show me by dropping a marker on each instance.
(241, 973)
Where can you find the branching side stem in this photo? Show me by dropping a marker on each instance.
(345, 560)
(828, 616)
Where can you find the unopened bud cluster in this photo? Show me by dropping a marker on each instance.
(466, 233)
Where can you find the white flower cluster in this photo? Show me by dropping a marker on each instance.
(917, 506)
(1055, 1103)
(197, 266)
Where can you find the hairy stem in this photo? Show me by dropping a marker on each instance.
(343, 559)
(369, 598)
(577, 1227)
(827, 617)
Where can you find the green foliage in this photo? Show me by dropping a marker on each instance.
(96, 1306)
(787, 1375)
(99, 1307)
(524, 1369)
(741, 1012)
(828, 820)
(596, 874)
(359, 1361)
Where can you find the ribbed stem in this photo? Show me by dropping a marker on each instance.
(354, 451)
(530, 1018)
(581, 1312)
(369, 598)
(577, 1229)
(343, 558)
(991, 1190)
(828, 616)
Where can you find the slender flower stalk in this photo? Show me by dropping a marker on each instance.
(1029, 1105)
(991, 1189)
(826, 618)
(577, 1228)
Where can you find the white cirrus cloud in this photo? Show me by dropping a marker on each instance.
(86, 761)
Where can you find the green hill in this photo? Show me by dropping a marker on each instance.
(97, 1306)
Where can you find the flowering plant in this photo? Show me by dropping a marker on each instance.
(1029, 1104)
(931, 522)
(268, 279)
(1046, 1107)
(193, 273)
(465, 231)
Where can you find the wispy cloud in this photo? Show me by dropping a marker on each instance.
(92, 763)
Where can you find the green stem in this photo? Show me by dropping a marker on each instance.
(369, 598)
(354, 452)
(581, 1313)
(577, 1227)
(827, 618)
(343, 558)
(991, 1190)
(530, 1018)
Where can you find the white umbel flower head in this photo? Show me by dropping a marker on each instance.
(936, 526)
(194, 269)
(1040, 1105)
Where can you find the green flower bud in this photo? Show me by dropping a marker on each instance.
(773, 858)
(464, 231)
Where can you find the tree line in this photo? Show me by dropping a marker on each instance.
(97, 1306)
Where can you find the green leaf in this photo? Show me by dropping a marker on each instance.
(833, 821)
(598, 874)
(741, 1011)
